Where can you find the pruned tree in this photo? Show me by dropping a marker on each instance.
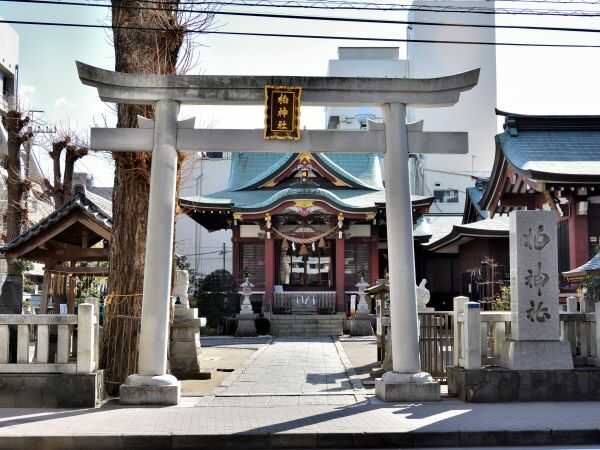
(61, 188)
(149, 39)
(18, 132)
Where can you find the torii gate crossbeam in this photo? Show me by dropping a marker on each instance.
(406, 382)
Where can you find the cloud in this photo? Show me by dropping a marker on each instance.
(62, 102)
(26, 94)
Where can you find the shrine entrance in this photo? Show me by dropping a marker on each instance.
(395, 138)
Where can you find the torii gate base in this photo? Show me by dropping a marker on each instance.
(406, 382)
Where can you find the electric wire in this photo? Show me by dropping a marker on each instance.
(321, 18)
(301, 36)
(353, 5)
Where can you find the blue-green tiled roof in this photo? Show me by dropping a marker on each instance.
(348, 198)
(363, 166)
(556, 152)
(593, 265)
(256, 199)
(247, 169)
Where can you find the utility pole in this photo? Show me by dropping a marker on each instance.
(28, 146)
(224, 251)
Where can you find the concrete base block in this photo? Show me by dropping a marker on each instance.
(246, 326)
(185, 348)
(51, 390)
(401, 388)
(361, 326)
(539, 355)
(145, 390)
(494, 384)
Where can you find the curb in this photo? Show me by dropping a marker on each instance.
(357, 386)
(246, 441)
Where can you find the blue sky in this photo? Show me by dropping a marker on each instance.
(530, 80)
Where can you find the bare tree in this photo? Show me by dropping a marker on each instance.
(61, 188)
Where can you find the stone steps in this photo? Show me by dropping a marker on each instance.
(303, 325)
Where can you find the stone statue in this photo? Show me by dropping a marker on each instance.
(423, 296)
(182, 284)
(363, 307)
(27, 307)
(246, 325)
(246, 292)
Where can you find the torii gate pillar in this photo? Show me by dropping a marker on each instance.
(152, 384)
(406, 382)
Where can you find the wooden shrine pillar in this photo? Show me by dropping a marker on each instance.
(578, 236)
(340, 287)
(269, 273)
(71, 281)
(45, 290)
(373, 257)
(236, 256)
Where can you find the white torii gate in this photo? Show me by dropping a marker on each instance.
(394, 138)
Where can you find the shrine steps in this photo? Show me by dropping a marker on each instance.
(307, 325)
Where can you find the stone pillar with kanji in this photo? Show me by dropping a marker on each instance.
(535, 322)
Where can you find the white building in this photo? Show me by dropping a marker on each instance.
(205, 251)
(362, 62)
(447, 176)
(9, 65)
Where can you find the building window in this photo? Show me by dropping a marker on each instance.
(446, 195)
(253, 262)
(356, 262)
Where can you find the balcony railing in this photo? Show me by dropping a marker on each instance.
(7, 102)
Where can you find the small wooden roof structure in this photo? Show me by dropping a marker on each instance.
(69, 234)
(579, 273)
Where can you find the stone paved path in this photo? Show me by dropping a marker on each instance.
(293, 367)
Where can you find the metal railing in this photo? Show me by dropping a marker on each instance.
(7, 102)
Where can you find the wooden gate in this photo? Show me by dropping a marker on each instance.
(435, 343)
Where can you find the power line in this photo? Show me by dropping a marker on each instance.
(353, 5)
(319, 18)
(372, 6)
(300, 36)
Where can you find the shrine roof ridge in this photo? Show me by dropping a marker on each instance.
(497, 227)
(238, 89)
(579, 122)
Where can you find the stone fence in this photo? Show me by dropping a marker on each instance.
(38, 352)
(481, 337)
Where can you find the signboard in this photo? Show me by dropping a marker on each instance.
(282, 112)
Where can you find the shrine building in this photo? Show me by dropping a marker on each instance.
(305, 226)
(551, 162)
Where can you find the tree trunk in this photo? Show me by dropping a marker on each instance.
(12, 288)
(136, 51)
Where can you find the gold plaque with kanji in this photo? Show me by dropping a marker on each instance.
(282, 112)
